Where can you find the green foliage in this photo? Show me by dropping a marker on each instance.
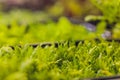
(109, 8)
(88, 60)
(21, 27)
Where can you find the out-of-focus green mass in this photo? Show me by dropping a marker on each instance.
(109, 8)
(22, 29)
(20, 25)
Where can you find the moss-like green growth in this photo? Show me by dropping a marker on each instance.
(88, 60)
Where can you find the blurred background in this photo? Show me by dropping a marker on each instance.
(71, 8)
(31, 21)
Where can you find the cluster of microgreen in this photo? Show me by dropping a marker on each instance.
(109, 8)
(88, 60)
(110, 14)
(31, 29)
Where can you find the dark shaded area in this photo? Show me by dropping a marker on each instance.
(26, 4)
(57, 44)
(72, 8)
(107, 78)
